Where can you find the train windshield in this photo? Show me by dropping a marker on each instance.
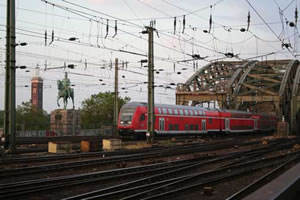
(126, 115)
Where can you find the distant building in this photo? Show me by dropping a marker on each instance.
(37, 90)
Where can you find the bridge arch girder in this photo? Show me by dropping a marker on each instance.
(210, 83)
(267, 87)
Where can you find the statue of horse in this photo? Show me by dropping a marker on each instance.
(65, 94)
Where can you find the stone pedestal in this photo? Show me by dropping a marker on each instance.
(282, 129)
(65, 122)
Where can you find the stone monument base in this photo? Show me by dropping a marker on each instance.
(65, 122)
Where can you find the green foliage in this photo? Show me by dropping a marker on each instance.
(98, 110)
(30, 118)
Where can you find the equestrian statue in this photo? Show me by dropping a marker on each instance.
(65, 91)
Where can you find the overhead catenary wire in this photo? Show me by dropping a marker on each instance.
(258, 14)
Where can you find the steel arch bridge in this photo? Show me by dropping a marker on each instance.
(270, 86)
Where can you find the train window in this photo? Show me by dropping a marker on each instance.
(196, 127)
(159, 110)
(186, 112)
(142, 118)
(170, 111)
(176, 127)
(170, 126)
(191, 127)
(210, 121)
(191, 113)
(164, 111)
(196, 112)
(181, 112)
(175, 111)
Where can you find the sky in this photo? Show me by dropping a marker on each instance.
(94, 50)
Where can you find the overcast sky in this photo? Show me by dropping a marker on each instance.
(94, 49)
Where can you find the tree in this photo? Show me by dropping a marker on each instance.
(32, 118)
(98, 110)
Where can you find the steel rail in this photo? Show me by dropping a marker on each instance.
(211, 180)
(126, 158)
(141, 183)
(26, 187)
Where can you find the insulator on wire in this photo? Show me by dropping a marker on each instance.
(174, 25)
(210, 23)
(85, 64)
(248, 20)
(116, 28)
(52, 37)
(174, 66)
(45, 37)
(210, 20)
(46, 65)
(183, 23)
(296, 16)
(107, 29)
(194, 66)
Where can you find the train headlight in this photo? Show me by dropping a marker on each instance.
(129, 122)
(122, 122)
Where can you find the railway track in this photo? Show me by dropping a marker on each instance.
(175, 150)
(158, 174)
(260, 182)
(171, 186)
(41, 159)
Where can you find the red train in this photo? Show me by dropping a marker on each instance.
(187, 120)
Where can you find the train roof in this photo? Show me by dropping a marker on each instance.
(136, 104)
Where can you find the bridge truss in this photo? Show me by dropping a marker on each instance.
(270, 86)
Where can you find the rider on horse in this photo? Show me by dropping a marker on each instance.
(66, 84)
(65, 91)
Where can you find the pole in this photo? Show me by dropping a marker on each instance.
(73, 125)
(7, 79)
(12, 88)
(150, 127)
(116, 107)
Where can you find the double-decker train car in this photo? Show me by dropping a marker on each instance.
(188, 120)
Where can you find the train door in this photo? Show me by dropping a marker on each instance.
(161, 124)
(227, 125)
(203, 125)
